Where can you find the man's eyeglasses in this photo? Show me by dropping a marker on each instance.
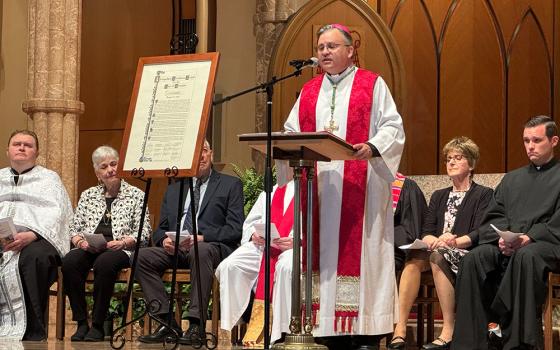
(330, 46)
(457, 158)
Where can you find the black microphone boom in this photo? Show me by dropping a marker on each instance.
(299, 64)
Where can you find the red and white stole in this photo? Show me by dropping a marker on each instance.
(284, 222)
(353, 196)
(396, 189)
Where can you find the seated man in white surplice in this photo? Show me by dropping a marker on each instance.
(37, 201)
(243, 270)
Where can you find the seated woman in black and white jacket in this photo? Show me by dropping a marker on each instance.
(112, 209)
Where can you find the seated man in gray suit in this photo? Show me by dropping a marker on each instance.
(219, 223)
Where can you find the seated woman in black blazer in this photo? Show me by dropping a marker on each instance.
(450, 230)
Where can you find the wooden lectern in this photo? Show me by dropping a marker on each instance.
(302, 150)
(315, 146)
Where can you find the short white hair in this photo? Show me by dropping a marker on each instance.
(101, 153)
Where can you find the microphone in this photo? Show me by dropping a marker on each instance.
(299, 64)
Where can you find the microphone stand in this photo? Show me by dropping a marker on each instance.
(267, 87)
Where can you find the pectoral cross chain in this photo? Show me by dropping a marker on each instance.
(332, 124)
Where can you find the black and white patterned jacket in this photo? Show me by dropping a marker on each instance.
(126, 211)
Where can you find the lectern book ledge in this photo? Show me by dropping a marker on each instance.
(322, 142)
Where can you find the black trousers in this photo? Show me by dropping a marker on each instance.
(509, 290)
(106, 266)
(38, 263)
(152, 263)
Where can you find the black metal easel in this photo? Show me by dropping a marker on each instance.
(117, 338)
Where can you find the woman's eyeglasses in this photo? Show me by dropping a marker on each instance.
(457, 158)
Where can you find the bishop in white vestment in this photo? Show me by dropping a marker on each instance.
(355, 289)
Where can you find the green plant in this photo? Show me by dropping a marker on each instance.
(186, 290)
(253, 184)
(116, 306)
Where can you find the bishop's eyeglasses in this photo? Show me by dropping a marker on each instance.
(330, 46)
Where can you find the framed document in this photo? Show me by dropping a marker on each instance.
(168, 114)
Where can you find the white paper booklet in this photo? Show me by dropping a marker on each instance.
(96, 241)
(417, 244)
(182, 235)
(259, 229)
(7, 231)
(508, 236)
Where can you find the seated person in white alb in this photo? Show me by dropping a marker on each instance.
(243, 270)
(37, 201)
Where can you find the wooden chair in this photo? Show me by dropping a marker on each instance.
(552, 299)
(60, 298)
(122, 277)
(426, 300)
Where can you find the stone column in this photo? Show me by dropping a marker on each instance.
(206, 25)
(53, 88)
(270, 18)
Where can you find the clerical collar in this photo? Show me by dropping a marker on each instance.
(337, 78)
(545, 166)
(16, 174)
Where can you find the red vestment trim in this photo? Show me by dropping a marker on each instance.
(284, 222)
(396, 189)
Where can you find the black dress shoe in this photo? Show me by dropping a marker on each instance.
(397, 343)
(432, 346)
(94, 334)
(192, 336)
(81, 332)
(158, 336)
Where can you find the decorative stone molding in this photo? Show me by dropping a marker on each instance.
(52, 105)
